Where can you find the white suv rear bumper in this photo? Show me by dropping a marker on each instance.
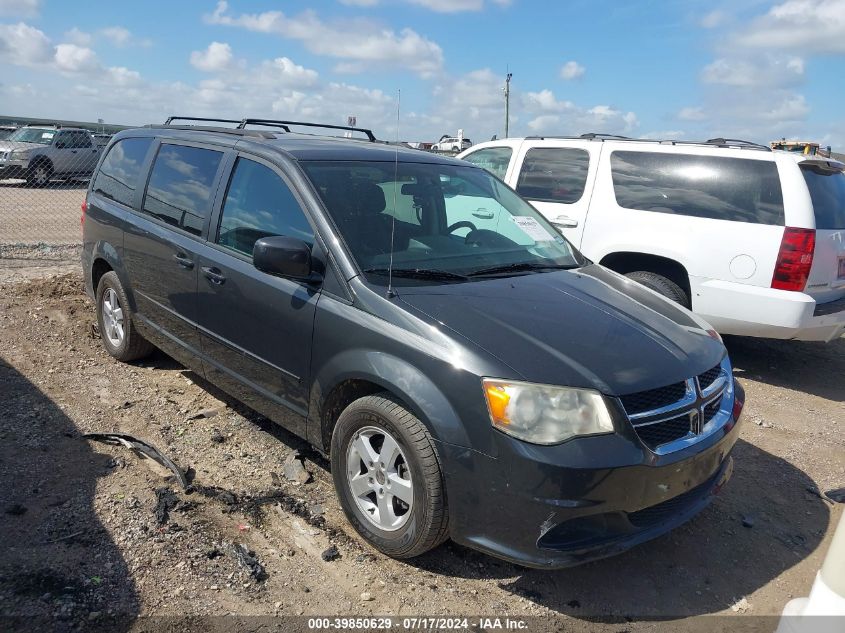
(734, 308)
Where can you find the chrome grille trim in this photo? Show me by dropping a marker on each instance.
(695, 404)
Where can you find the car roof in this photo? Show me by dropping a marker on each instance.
(621, 141)
(300, 147)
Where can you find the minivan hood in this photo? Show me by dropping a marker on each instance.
(588, 327)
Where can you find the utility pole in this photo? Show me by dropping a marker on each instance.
(507, 103)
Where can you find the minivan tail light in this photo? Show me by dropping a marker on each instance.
(84, 208)
(795, 259)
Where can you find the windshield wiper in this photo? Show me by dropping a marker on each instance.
(520, 267)
(419, 273)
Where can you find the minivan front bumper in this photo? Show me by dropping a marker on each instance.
(558, 506)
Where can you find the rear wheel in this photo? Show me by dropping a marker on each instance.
(388, 478)
(662, 285)
(120, 338)
(39, 174)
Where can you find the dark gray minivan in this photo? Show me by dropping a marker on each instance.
(488, 385)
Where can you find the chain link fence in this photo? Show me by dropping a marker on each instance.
(44, 174)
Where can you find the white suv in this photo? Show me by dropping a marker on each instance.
(452, 144)
(753, 240)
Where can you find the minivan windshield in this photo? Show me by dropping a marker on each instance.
(33, 135)
(443, 223)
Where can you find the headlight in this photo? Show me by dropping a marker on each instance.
(19, 155)
(544, 414)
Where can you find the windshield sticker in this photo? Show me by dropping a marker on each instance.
(48, 135)
(532, 228)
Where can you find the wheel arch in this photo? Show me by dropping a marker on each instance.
(105, 259)
(342, 381)
(624, 262)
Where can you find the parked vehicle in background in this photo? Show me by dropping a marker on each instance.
(6, 131)
(101, 140)
(41, 153)
(808, 148)
(452, 144)
(479, 381)
(750, 239)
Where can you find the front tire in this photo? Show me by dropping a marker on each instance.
(662, 285)
(39, 174)
(118, 333)
(387, 476)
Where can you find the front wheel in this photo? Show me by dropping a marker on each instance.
(39, 174)
(388, 477)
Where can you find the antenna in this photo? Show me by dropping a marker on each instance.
(390, 293)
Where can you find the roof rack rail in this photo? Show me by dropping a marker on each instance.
(212, 128)
(284, 125)
(170, 119)
(727, 142)
(601, 135)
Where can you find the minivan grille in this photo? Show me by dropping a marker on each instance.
(660, 512)
(653, 398)
(707, 378)
(681, 410)
(654, 435)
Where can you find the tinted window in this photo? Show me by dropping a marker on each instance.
(80, 139)
(827, 190)
(736, 189)
(259, 204)
(180, 186)
(119, 174)
(554, 174)
(493, 159)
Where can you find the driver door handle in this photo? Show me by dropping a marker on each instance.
(214, 275)
(564, 222)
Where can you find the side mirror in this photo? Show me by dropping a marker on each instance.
(283, 256)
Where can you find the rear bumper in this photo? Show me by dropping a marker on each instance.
(558, 506)
(744, 310)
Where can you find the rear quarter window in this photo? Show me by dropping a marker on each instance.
(493, 159)
(827, 191)
(121, 170)
(715, 187)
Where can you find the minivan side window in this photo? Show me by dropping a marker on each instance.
(259, 204)
(180, 186)
(827, 191)
(715, 187)
(554, 174)
(493, 159)
(121, 169)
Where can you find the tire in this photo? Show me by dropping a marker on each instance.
(661, 285)
(129, 345)
(424, 524)
(39, 174)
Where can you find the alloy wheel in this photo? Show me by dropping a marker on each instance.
(379, 477)
(113, 318)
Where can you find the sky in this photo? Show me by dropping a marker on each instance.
(693, 69)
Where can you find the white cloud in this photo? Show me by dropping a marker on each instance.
(78, 37)
(551, 116)
(663, 135)
(24, 45)
(572, 70)
(20, 8)
(767, 71)
(75, 59)
(801, 25)
(217, 57)
(438, 6)
(121, 37)
(361, 44)
(284, 71)
(713, 19)
(692, 113)
(360, 3)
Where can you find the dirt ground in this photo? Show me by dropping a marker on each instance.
(92, 532)
(49, 215)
